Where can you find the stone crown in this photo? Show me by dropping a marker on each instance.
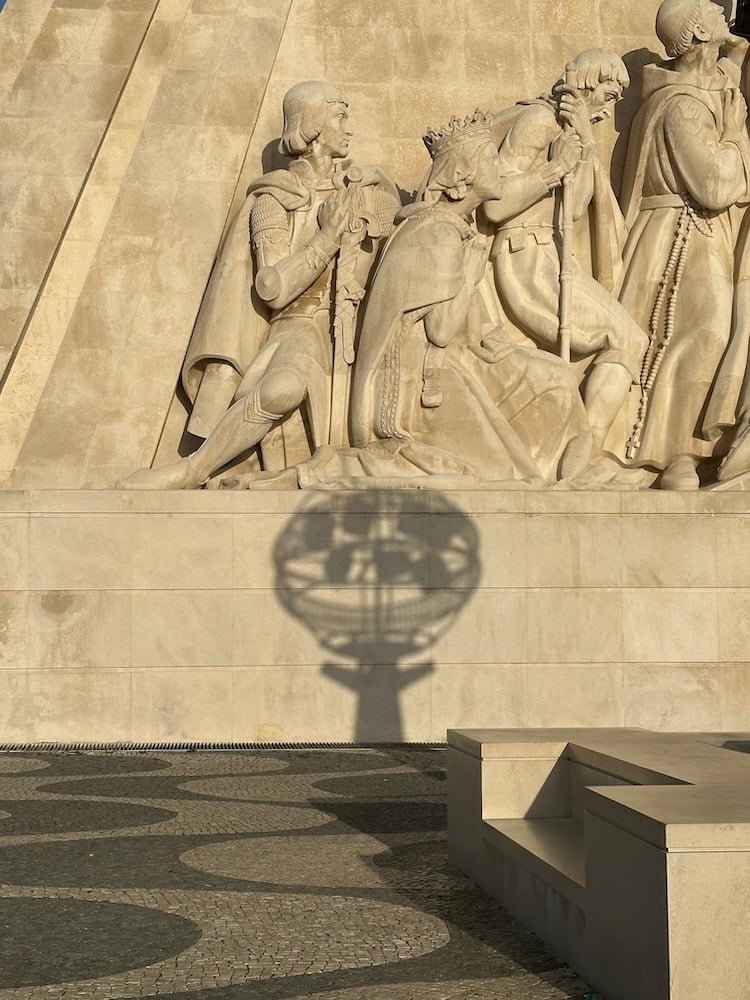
(457, 132)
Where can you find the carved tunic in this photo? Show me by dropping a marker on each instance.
(525, 253)
(683, 178)
(299, 340)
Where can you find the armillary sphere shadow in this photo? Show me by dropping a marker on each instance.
(377, 576)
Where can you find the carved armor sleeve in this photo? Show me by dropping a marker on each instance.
(282, 275)
(384, 207)
(269, 230)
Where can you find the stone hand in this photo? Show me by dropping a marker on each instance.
(335, 214)
(565, 152)
(735, 111)
(572, 111)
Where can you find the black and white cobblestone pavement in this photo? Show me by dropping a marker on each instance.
(258, 875)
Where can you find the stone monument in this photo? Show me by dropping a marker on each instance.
(484, 392)
(538, 308)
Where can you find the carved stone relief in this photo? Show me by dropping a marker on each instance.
(502, 326)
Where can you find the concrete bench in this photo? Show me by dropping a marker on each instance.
(628, 851)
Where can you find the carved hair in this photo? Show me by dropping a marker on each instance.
(452, 173)
(676, 22)
(304, 114)
(595, 66)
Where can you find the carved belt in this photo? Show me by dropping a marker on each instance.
(432, 393)
(518, 237)
(312, 301)
(662, 201)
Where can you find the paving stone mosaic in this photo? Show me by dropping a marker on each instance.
(268, 875)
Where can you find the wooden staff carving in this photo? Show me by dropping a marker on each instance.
(567, 223)
(348, 295)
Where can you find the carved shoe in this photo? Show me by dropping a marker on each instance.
(178, 476)
(680, 474)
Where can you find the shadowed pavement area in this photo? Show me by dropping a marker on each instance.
(127, 875)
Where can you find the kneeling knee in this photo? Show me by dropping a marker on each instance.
(281, 392)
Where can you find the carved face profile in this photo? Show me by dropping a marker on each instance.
(464, 160)
(307, 108)
(488, 183)
(335, 134)
(602, 99)
(469, 172)
(712, 25)
(599, 76)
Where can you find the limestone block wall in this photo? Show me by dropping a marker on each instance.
(168, 111)
(63, 67)
(97, 367)
(167, 617)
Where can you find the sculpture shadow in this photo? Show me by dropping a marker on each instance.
(272, 158)
(626, 110)
(377, 576)
(741, 23)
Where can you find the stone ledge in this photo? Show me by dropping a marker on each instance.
(478, 502)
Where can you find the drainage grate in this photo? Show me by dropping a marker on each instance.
(78, 747)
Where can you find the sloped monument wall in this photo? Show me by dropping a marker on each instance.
(129, 133)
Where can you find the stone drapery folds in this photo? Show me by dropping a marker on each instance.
(349, 340)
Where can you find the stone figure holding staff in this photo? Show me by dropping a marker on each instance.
(438, 387)
(528, 247)
(276, 329)
(442, 396)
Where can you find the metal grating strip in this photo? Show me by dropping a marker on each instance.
(164, 746)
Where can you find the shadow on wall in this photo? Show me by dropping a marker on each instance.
(627, 109)
(377, 576)
(272, 158)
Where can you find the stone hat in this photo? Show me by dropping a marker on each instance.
(675, 23)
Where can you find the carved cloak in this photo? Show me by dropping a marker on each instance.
(233, 322)
(492, 417)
